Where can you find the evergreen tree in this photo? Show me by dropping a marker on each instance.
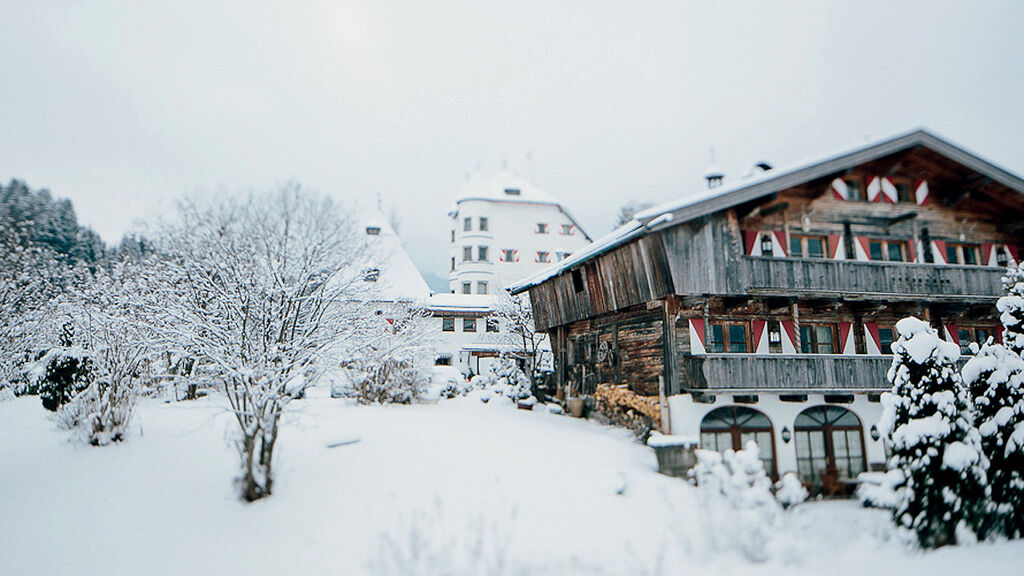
(996, 379)
(942, 495)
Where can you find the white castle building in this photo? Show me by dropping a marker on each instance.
(502, 230)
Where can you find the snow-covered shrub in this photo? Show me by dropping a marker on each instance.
(66, 372)
(101, 413)
(927, 417)
(449, 383)
(790, 491)
(880, 492)
(995, 376)
(400, 378)
(508, 380)
(1011, 309)
(737, 494)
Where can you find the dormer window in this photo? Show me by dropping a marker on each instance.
(373, 230)
(371, 274)
(512, 192)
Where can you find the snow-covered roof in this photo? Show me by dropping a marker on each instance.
(766, 183)
(508, 186)
(398, 279)
(505, 186)
(482, 303)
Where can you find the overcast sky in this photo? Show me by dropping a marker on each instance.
(124, 106)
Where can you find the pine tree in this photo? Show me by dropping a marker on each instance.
(942, 496)
(996, 379)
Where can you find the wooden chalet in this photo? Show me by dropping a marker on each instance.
(767, 305)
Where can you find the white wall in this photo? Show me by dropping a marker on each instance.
(686, 415)
(511, 225)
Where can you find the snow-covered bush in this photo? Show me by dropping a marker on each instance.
(878, 489)
(399, 378)
(790, 491)
(449, 383)
(995, 376)
(66, 371)
(927, 418)
(508, 380)
(737, 494)
(1011, 309)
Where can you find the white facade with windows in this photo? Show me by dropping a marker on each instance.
(504, 229)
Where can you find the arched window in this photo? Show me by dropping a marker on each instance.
(828, 437)
(730, 427)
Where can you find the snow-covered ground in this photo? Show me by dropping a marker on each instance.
(459, 487)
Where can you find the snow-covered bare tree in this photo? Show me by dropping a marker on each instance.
(629, 210)
(515, 318)
(995, 376)
(388, 356)
(118, 339)
(255, 291)
(927, 417)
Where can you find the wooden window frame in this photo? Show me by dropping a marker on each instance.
(448, 324)
(908, 186)
(885, 244)
(803, 252)
(543, 257)
(858, 181)
(726, 341)
(961, 250)
(469, 324)
(815, 344)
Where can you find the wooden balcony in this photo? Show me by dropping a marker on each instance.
(798, 372)
(853, 279)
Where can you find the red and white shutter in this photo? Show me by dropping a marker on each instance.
(779, 243)
(874, 189)
(912, 251)
(840, 190)
(952, 333)
(836, 247)
(1013, 249)
(515, 254)
(751, 247)
(889, 193)
(760, 336)
(846, 338)
(862, 247)
(988, 253)
(939, 251)
(788, 337)
(874, 344)
(697, 336)
(921, 192)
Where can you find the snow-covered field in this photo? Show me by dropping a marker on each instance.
(459, 487)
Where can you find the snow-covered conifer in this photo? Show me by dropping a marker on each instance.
(927, 418)
(996, 379)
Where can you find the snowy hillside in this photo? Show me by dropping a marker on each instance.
(459, 487)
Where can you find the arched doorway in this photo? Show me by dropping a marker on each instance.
(828, 437)
(730, 427)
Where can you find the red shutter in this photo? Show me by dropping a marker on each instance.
(874, 342)
(846, 345)
(874, 189)
(833, 244)
(757, 328)
(1014, 252)
(940, 251)
(749, 239)
(780, 235)
(953, 333)
(888, 191)
(697, 325)
(865, 246)
(987, 255)
(921, 192)
(912, 254)
(839, 189)
(999, 334)
(789, 331)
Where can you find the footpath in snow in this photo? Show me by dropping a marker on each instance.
(459, 487)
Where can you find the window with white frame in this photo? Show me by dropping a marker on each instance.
(508, 255)
(542, 228)
(543, 256)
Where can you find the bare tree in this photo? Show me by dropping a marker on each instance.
(256, 290)
(629, 210)
(515, 317)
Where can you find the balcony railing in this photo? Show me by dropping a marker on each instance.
(803, 372)
(897, 280)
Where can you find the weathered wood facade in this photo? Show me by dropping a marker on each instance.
(793, 281)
